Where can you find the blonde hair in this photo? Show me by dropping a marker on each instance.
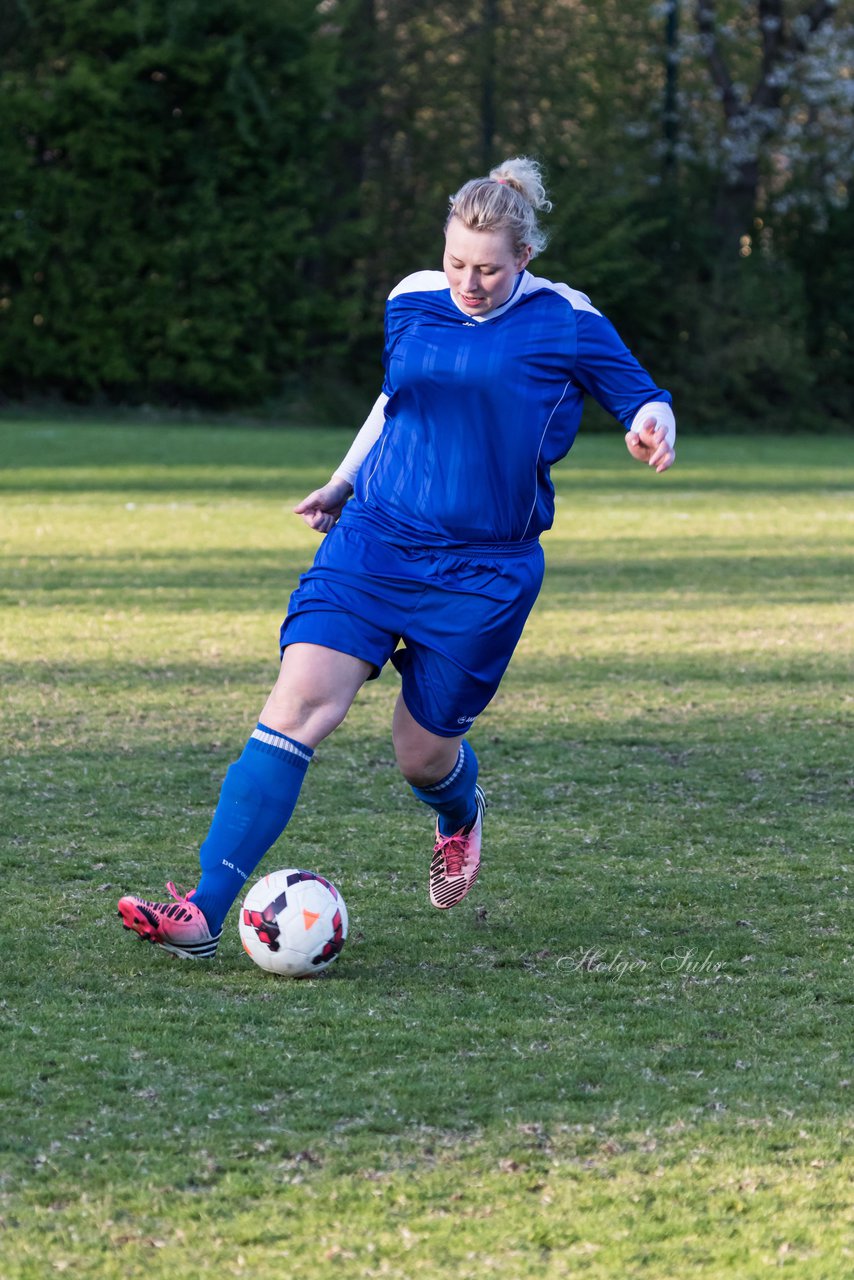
(508, 198)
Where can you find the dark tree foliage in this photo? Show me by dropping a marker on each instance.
(160, 165)
(207, 201)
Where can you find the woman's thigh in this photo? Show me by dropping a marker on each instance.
(314, 691)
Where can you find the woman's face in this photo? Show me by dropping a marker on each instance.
(481, 267)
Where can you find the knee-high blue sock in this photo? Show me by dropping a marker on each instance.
(256, 801)
(453, 797)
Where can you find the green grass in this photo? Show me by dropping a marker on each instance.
(626, 1055)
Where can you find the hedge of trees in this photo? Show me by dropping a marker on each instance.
(207, 200)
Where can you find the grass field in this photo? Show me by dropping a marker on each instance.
(627, 1054)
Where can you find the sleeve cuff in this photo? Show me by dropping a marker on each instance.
(663, 413)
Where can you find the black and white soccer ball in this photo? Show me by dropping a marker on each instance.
(294, 923)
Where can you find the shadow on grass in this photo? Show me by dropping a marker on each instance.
(290, 480)
(167, 459)
(286, 482)
(728, 672)
(74, 458)
(241, 579)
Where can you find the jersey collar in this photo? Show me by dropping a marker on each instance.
(518, 290)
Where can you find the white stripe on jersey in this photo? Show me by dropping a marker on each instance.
(537, 463)
(577, 300)
(431, 281)
(420, 282)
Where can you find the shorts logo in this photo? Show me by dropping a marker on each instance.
(466, 719)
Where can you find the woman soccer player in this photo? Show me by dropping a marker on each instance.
(486, 368)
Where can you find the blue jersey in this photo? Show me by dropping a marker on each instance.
(479, 408)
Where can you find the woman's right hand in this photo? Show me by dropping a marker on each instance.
(321, 509)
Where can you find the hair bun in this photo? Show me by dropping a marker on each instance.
(508, 198)
(525, 176)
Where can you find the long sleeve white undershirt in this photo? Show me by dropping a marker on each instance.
(367, 436)
(369, 433)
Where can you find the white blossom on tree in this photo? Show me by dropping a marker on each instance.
(781, 78)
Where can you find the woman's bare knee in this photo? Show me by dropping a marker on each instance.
(422, 757)
(307, 719)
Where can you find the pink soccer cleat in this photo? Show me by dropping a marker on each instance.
(456, 860)
(178, 927)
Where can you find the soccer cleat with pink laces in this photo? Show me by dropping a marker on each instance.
(456, 860)
(178, 927)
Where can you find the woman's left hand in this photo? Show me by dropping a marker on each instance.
(649, 444)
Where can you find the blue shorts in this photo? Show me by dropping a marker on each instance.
(459, 614)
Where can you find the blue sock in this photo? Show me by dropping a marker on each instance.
(256, 801)
(453, 797)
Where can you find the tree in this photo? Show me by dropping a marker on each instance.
(163, 165)
(767, 106)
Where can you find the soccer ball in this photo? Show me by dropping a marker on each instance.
(293, 922)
